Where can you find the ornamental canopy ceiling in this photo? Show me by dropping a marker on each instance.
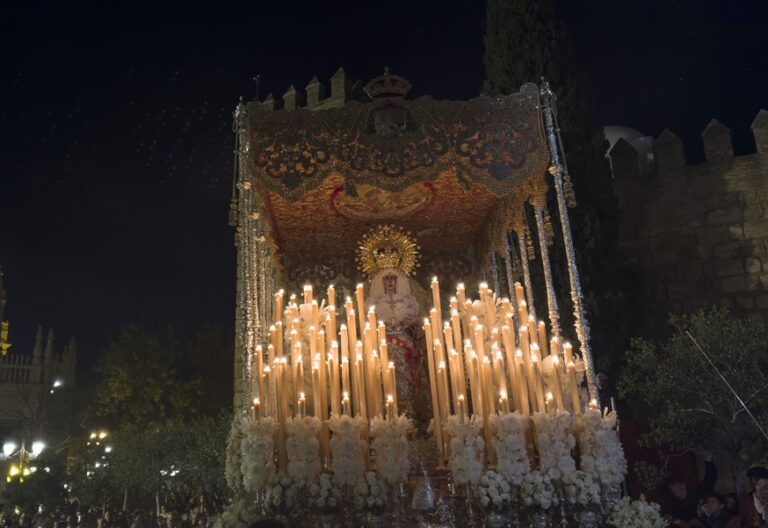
(441, 169)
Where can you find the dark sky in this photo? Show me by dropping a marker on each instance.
(115, 125)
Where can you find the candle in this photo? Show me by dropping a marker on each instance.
(345, 374)
(279, 338)
(390, 407)
(345, 404)
(300, 374)
(461, 293)
(316, 389)
(302, 405)
(279, 305)
(393, 383)
(509, 350)
(504, 401)
(330, 321)
(573, 388)
(436, 302)
(307, 293)
(548, 401)
(360, 305)
(333, 367)
(474, 379)
(268, 400)
(442, 383)
(498, 371)
(438, 426)
(324, 378)
(537, 377)
(522, 384)
(257, 408)
(543, 339)
(331, 296)
(384, 363)
(461, 408)
(557, 384)
(351, 327)
(360, 376)
(315, 313)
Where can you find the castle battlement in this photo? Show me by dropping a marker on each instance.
(697, 233)
(316, 96)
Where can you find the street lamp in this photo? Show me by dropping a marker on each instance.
(22, 469)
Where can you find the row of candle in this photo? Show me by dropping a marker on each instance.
(350, 375)
(500, 359)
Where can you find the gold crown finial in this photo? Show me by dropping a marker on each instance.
(387, 246)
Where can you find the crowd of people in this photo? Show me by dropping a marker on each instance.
(701, 507)
(107, 518)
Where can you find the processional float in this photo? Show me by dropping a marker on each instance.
(376, 392)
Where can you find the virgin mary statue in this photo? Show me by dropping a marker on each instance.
(389, 255)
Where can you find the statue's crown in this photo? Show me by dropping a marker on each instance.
(387, 246)
(387, 257)
(388, 86)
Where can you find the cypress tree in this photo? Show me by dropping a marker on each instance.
(524, 41)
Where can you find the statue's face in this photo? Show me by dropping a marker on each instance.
(390, 283)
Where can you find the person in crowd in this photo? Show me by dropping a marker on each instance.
(712, 513)
(754, 507)
(731, 501)
(684, 503)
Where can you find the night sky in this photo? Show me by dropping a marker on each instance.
(115, 126)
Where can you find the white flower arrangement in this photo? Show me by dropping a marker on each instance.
(636, 514)
(303, 448)
(509, 441)
(257, 457)
(348, 450)
(494, 492)
(537, 492)
(466, 458)
(232, 471)
(582, 492)
(554, 443)
(370, 493)
(324, 495)
(283, 494)
(390, 442)
(601, 453)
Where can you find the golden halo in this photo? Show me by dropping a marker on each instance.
(387, 246)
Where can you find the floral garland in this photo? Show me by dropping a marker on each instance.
(303, 448)
(232, 472)
(283, 494)
(466, 460)
(554, 443)
(582, 493)
(601, 453)
(348, 450)
(257, 459)
(494, 492)
(390, 442)
(324, 496)
(370, 493)
(537, 492)
(511, 455)
(636, 514)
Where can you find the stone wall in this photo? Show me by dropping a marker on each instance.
(697, 235)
